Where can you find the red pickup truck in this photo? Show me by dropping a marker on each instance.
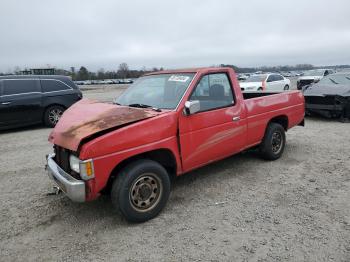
(164, 125)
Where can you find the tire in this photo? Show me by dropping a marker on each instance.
(260, 89)
(286, 87)
(141, 190)
(52, 115)
(299, 87)
(273, 143)
(308, 112)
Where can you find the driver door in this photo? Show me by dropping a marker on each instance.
(217, 130)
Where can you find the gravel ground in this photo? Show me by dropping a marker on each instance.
(240, 209)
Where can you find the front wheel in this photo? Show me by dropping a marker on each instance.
(273, 143)
(141, 190)
(286, 87)
(52, 115)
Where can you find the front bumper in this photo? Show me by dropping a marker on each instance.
(73, 188)
(325, 107)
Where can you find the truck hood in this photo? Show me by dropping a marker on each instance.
(88, 118)
(324, 90)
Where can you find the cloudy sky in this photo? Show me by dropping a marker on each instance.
(172, 34)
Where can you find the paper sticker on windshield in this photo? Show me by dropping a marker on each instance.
(178, 78)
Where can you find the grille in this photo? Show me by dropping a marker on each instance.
(302, 83)
(62, 158)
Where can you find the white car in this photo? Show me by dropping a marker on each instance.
(265, 82)
(312, 76)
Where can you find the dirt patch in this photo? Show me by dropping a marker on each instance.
(240, 209)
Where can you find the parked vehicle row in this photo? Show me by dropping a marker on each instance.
(292, 73)
(104, 82)
(245, 76)
(164, 125)
(26, 100)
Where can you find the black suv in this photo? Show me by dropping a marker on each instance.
(26, 100)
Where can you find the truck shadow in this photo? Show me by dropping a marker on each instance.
(102, 208)
(233, 164)
(320, 118)
(23, 129)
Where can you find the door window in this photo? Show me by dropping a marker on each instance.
(13, 87)
(213, 91)
(279, 77)
(53, 85)
(271, 78)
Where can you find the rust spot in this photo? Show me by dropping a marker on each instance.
(87, 118)
(114, 117)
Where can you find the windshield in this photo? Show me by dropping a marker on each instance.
(256, 78)
(336, 80)
(314, 73)
(159, 91)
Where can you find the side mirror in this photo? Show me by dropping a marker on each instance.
(192, 107)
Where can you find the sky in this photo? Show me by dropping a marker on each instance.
(172, 34)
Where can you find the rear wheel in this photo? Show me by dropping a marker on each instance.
(141, 190)
(286, 87)
(274, 141)
(260, 89)
(52, 115)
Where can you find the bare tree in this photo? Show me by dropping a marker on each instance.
(17, 70)
(83, 73)
(101, 74)
(123, 70)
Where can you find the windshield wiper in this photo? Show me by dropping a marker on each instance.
(333, 81)
(145, 106)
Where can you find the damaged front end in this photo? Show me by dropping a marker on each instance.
(304, 82)
(330, 97)
(84, 121)
(329, 106)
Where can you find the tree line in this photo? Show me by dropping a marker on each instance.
(123, 71)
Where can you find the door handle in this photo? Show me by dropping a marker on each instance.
(236, 118)
(6, 103)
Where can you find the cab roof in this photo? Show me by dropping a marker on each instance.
(190, 70)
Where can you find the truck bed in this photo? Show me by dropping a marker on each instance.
(254, 94)
(263, 106)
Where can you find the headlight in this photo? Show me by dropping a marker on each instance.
(74, 163)
(84, 168)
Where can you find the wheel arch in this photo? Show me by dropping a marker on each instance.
(282, 120)
(164, 156)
